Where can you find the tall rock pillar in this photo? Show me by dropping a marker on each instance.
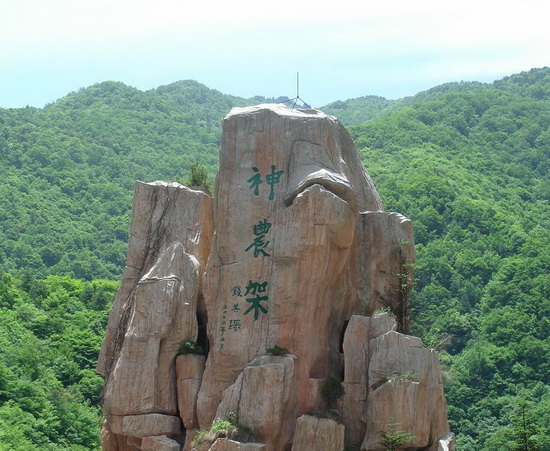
(298, 257)
(286, 207)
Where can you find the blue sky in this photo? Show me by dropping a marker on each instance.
(348, 49)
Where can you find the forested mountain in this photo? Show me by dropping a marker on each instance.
(467, 162)
(357, 111)
(469, 165)
(68, 170)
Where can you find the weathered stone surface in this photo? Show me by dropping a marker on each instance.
(223, 444)
(108, 439)
(393, 353)
(359, 332)
(264, 399)
(390, 375)
(404, 384)
(315, 232)
(204, 446)
(162, 213)
(403, 401)
(386, 254)
(190, 435)
(159, 443)
(310, 394)
(445, 443)
(319, 434)
(162, 317)
(301, 249)
(189, 369)
(311, 212)
(114, 442)
(144, 425)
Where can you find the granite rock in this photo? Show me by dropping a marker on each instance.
(319, 434)
(163, 316)
(264, 399)
(162, 214)
(189, 369)
(294, 250)
(159, 443)
(144, 425)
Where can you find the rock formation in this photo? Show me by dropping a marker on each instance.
(296, 256)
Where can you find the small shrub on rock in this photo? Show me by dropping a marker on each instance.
(277, 350)
(190, 347)
(229, 429)
(394, 438)
(332, 391)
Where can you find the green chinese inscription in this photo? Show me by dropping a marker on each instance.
(261, 229)
(234, 324)
(255, 290)
(222, 326)
(272, 179)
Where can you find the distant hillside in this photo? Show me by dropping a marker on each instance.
(357, 111)
(469, 164)
(69, 170)
(532, 84)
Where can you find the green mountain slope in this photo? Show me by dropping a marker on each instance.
(69, 170)
(467, 162)
(357, 111)
(470, 168)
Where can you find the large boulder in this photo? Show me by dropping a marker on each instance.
(263, 398)
(319, 434)
(163, 316)
(162, 214)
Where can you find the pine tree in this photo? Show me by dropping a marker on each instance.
(523, 430)
(394, 438)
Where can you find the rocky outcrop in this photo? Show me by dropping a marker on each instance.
(159, 443)
(162, 214)
(445, 443)
(146, 364)
(359, 332)
(155, 309)
(405, 385)
(263, 397)
(298, 254)
(144, 425)
(386, 261)
(189, 369)
(390, 377)
(320, 434)
(223, 444)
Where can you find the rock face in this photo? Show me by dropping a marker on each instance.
(299, 254)
(155, 310)
(320, 434)
(264, 398)
(189, 369)
(390, 377)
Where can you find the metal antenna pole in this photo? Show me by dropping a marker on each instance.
(298, 93)
(297, 89)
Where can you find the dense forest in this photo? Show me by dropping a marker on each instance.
(467, 162)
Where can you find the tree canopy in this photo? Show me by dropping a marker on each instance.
(468, 164)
